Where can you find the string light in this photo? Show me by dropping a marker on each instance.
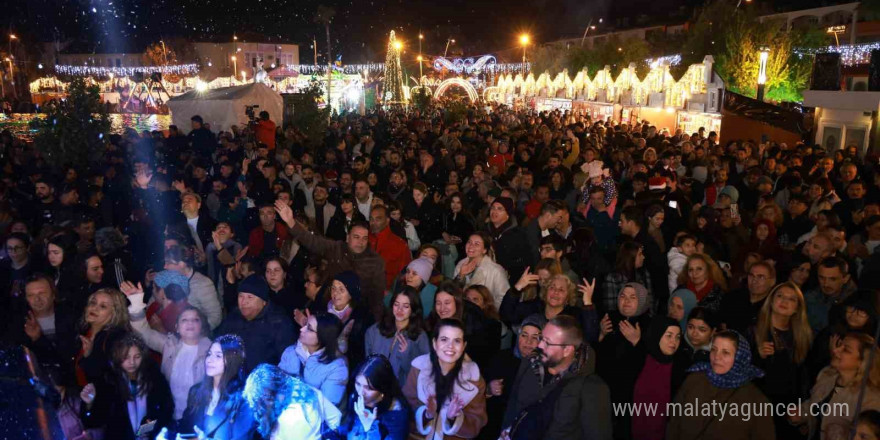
(182, 69)
(850, 54)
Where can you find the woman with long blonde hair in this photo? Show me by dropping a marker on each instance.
(104, 320)
(839, 386)
(782, 339)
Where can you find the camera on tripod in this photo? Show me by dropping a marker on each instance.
(251, 114)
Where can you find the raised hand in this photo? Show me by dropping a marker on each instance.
(587, 289)
(130, 289)
(605, 327)
(285, 213)
(632, 334)
(469, 266)
(179, 186)
(526, 280)
(454, 408)
(88, 394)
(300, 317)
(402, 343)
(240, 254)
(216, 239)
(766, 349)
(142, 179)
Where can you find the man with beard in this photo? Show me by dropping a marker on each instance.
(46, 208)
(321, 210)
(398, 189)
(555, 394)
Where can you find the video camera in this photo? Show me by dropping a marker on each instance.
(251, 114)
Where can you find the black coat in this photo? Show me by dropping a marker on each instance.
(233, 418)
(503, 366)
(55, 353)
(265, 337)
(511, 249)
(338, 227)
(110, 410)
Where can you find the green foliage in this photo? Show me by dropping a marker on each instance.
(74, 132)
(734, 37)
(307, 117)
(614, 52)
(421, 99)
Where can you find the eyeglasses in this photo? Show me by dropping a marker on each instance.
(550, 344)
(758, 277)
(16, 248)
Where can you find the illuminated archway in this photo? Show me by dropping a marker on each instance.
(445, 85)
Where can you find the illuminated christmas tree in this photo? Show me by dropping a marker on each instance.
(392, 86)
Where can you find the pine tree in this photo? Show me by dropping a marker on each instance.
(392, 86)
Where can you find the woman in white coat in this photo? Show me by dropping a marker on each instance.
(183, 352)
(479, 267)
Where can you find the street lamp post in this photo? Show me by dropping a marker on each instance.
(445, 51)
(11, 68)
(419, 58)
(524, 41)
(762, 72)
(234, 65)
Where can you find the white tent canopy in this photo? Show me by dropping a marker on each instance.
(225, 107)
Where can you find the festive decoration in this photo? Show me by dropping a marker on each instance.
(392, 86)
(445, 85)
(181, 69)
(670, 60)
(465, 65)
(698, 90)
(850, 54)
(348, 69)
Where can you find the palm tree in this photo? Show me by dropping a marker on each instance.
(325, 15)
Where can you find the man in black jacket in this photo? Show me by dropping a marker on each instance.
(45, 327)
(555, 394)
(264, 328)
(510, 241)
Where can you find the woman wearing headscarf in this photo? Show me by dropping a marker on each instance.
(726, 380)
(681, 302)
(619, 352)
(701, 326)
(344, 302)
(663, 371)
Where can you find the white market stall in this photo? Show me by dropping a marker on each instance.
(224, 107)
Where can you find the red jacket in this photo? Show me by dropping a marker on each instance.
(255, 240)
(393, 250)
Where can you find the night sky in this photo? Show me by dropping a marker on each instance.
(359, 30)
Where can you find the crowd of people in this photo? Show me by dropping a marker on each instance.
(504, 274)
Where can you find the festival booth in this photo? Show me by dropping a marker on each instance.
(224, 107)
(688, 103)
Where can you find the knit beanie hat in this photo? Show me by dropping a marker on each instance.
(168, 277)
(731, 192)
(507, 203)
(256, 286)
(423, 267)
(352, 283)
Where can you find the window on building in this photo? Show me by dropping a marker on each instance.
(118, 62)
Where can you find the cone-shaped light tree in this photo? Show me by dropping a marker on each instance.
(392, 87)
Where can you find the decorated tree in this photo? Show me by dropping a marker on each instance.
(392, 86)
(74, 132)
(734, 37)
